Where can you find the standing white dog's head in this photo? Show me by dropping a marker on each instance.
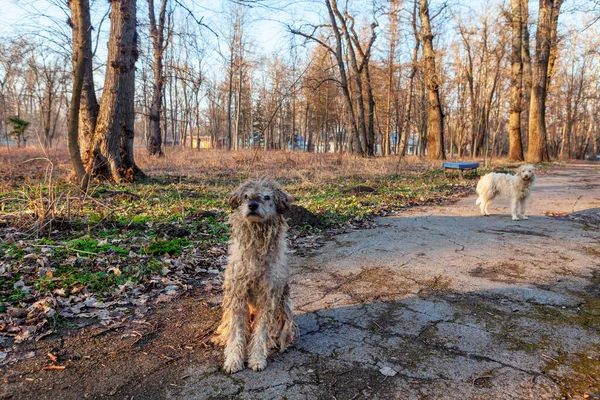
(260, 200)
(526, 172)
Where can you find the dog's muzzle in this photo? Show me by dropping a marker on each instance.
(253, 209)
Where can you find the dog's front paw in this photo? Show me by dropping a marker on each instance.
(524, 217)
(233, 365)
(515, 218)
(257, 363)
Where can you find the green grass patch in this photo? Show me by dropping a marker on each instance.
(171, 247)
(100, 231)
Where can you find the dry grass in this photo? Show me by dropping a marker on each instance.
(281, 165)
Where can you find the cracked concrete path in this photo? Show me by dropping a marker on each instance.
(440, 302)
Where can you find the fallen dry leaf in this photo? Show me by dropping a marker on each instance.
(54, 368)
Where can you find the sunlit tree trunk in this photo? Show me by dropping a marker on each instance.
(515, 151)
(536, 149)
(527, 72)
(88, 108)
(113, 137)
(80, 21)
(158, 44)
(410, 90)
(435, 130)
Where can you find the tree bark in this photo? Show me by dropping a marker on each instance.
(81, 23)
(435, 131)
(158, 44)
(88, 109)
(410, 90)
(113, 137)
(515, 151)
(536, 149)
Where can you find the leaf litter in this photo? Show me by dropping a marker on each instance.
(106, 272)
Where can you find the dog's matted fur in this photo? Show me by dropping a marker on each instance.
(517, 187)
(257, 309)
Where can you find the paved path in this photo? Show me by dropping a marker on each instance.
(443, 303)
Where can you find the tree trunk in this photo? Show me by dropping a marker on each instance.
(435, 131)
(527, 72)
(515, 151)
(113, 137)
(394, 5)
(370, 113)
(158, 44)
(409, 93)
(351, 117)
(88, 109)
(536, 149)
(360, 116)
(80, 18)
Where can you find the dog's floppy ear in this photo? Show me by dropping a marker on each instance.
(282, 201)
(235, 198)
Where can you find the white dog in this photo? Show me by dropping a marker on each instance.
(256, 304)
(517, 187)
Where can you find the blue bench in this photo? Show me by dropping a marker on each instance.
(460, 166)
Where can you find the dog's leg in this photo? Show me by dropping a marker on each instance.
(257, 355)
(285, 321)
(481, 202)
(523, 204)
(486, 204)
(235, 348)
(513, 208)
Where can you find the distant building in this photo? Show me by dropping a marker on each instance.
(412, 146)
(201, 142)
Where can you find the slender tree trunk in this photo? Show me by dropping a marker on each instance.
(536, 150)
(394, 5)
(527, 71)
(238, 108)
(435, 131)
(351, 117)
(370, 113)
(410, 90)
(515, 151)
(88, 109)
(158, 44)
(81, 24)
(229, 103)
(360, 103)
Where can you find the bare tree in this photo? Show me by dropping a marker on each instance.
(113, 136)
(80, 20)
(157, 32)
(547, 19)
(435, 129)
(515, 151)
(411, 79)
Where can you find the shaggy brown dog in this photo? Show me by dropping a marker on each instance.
(257, 310)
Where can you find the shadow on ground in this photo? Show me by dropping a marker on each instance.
(517, 342)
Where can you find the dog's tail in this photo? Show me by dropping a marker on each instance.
(478, 201)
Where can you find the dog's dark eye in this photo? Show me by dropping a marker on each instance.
(267, 197)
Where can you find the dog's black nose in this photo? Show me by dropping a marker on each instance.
(253, 205)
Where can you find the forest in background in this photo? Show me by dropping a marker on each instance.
(440, 79)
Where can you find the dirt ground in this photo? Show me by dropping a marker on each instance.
(438, 302)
